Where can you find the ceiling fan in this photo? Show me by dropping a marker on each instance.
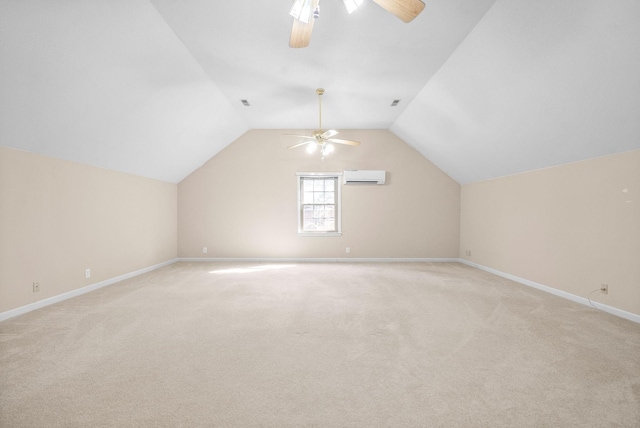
(321, 139)
(305, 12)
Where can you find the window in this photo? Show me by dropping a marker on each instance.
(319, 204)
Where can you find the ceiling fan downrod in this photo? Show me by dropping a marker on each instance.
(320, 92)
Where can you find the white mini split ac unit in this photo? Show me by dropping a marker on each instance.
(362, 176)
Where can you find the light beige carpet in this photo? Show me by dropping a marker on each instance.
(319, 345)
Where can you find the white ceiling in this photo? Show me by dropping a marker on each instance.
(153, 88)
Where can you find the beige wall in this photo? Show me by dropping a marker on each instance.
(242, 202)
(571, 227)
(58, 218)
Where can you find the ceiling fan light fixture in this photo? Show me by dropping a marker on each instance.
(351, 5)
(301, 10)
(320, 139)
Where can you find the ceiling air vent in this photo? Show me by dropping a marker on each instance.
(395, 103)
(245, 103)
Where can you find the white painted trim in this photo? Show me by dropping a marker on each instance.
(320, 234)
(79, 291)
(582, 300)
(322, 260)
(318, 174)
(55, 299)
(337, 205)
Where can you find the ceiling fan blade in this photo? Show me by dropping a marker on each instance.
(328, 134)
(301, 32)
(300, 144)
(339, 141)
(403, 9)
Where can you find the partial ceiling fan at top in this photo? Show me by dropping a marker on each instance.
(305, 12)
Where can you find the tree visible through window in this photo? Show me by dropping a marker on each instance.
(318, 204)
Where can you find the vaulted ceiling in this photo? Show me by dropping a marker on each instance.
(153, 87)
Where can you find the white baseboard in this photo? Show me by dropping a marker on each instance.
(322, 260)
(582, 300)
(68, 295)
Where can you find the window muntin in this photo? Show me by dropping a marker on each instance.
(319, 204)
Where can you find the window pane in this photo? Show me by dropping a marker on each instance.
(318, 185)
(308, 198)
(307, 212)
(330, 211)
(319, 218)
(308, 185)
(329, 198)
(330, 185)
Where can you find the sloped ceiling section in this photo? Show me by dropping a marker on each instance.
(153, 87)
(108, 84)
(364, 60)
(535, 84)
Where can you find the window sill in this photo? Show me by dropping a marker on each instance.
(320, 234)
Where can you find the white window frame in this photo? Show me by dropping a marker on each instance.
(337, 203)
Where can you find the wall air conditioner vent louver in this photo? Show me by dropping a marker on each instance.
(361, 176)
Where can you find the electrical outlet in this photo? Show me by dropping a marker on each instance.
(204, 250)
(347, 250)
(36, 287)
(87, 273)
(468, 253)
(604, 288)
